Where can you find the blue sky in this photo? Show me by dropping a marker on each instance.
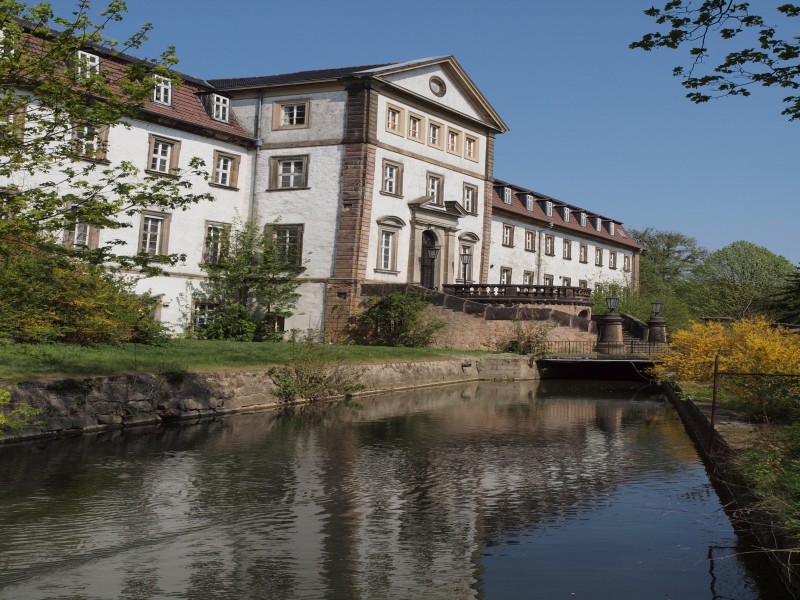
(592, 122)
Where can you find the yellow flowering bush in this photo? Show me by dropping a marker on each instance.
(751, 346)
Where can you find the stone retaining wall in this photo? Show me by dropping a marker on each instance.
(75, 406)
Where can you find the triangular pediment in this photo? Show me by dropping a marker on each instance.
(443, 81)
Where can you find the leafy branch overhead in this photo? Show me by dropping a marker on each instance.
(755, 53)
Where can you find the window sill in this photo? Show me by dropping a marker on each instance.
(289, 127)
(508, 245)
(98, 161)
(286, 189)
(567, 258)
(161, 173)
(223, 187)
(584, 262)
(387, 271)
(391, 194)
(529, 250)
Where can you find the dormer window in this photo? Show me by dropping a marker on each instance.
(507, 195)
(221, 107)
(611, 227)
(622, 233)
(566, 214)
(582, 219)
(162, 92)
(88, 64)
(529, 202)
(548, 208)
(598, 223)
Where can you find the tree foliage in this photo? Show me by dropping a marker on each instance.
(397, 319)
(251, 285)
(787, 300)
(667, 260)
(741, 280)
(754, 52)
(53, 107)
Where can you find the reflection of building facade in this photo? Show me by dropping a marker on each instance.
(380, 174)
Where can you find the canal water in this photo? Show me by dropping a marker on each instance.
(532, 490)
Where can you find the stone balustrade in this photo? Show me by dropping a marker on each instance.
(520, 294)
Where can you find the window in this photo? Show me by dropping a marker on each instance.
(162, 92)
(470, 199)
(470, 147)
(203, 314)
(626, 262)
(394, 120)
(598, 257)
(387, 254)
(88, 64)
(583, 253)
(527, 278)
(549, 245)
(415, 127)
(566, 214)
(216, 234)
(293, 114)
(507, 195)
(453, 141)
(154, 231)
(91, 142)
(78, 235)
(12, 123)
(598, 222)
(163, 155)
(530, 240)
(289, 244)
(221, 108)
(288, 172)
(435, 188)
(508, 235)
(548, 280)
(582, 219)
(392, 178)
(548, 208)
(566, 282)
(612, 260)
(583, 284)
(567, 250)
(505, 276)
(529, 202)
(435, 135)
(611, 227)
(226, 169)
(466, 268)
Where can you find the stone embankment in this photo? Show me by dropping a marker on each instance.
(74, 406)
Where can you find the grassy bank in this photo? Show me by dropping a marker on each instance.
(27, 362)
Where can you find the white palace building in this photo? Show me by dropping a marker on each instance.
(375, 174)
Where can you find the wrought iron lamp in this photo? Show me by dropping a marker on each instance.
(466, 258)
(657, 308)
(431, 252)
(612, 302)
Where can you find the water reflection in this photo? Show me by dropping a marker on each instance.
(485, 490)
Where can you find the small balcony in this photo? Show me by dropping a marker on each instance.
(520, 294)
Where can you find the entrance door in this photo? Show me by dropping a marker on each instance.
(427, 264)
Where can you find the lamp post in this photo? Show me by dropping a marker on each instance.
(466, 258)
(431, 253)
(610, 338)
(657, 326)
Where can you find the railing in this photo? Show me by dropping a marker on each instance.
(519, 293)
(627, 348)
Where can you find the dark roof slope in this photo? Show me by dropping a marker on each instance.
(518, 208)
(289, 78)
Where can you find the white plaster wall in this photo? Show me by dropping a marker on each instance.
(326, 118)
(309, 310)
(417, 81)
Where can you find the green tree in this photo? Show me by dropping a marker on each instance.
(754, 54)
(54, 107)
(667, 260)
(787, 301)
(252, 283)
(740, 280)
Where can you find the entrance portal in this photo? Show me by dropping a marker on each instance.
(428, 259)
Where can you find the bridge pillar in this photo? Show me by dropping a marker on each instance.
(610, 340)
(657, 327)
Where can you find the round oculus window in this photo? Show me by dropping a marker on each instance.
(437, 86)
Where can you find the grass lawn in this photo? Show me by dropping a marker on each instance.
(28, 362)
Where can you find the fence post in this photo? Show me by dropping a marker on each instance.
(713, 405)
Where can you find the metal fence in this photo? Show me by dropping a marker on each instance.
(626, 348)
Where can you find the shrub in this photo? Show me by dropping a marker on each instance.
(397, 319)
(15, 418)
(527, 337)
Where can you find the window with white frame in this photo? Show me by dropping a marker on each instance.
(292, 114)
(548, 208)
(91, 141)
(415, 127)
(506, 195)
(583, 253)
(394, 119)
(626, 262)
(612, 259)
(583, 284)
(466, 267)
(582, 219)
(611, 227)
(388, 235)
(453, 141)
(508, 235)
(435, 135)
(530, 240)
(529, 202)
(162, 91)
(289, 244)
(216, 235)
(435, 188)
(387, 250)
(392, 178)
(289, 172)
(221, 108)
(226, 169)
(566, 281)
(505, 276)
(153, 233)
(598, 223)
(566, 214)
(527, 278)
(470, 199)
(163, 155)
(88, 64)
(470, 147)
(548, 280)
(549, 245)
(567, 250)
(598, 257)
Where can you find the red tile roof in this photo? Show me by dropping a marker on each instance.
(518, 209)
